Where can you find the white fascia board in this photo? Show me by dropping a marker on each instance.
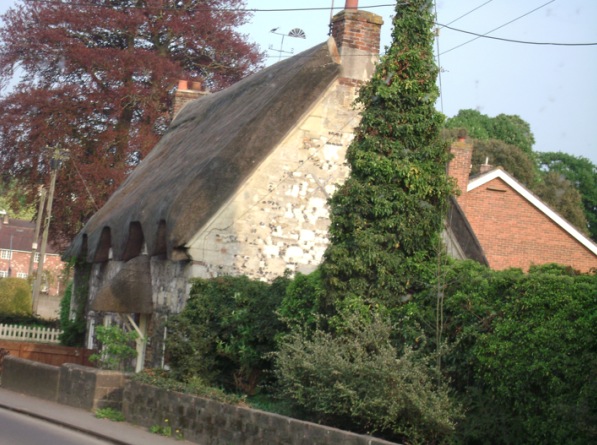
(524, 192)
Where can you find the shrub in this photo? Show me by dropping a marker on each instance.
(73, 330)
(357, 379)
(116, 348)
(226, 331)
(15, 297)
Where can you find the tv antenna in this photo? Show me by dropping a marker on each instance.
(297, 33)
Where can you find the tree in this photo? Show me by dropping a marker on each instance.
(96, 79)
(14, 201)
(511, 158)
(582, 173)
(386, 217)
(561, 195)
(510, 129)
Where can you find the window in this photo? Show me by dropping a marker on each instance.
(3, 273)
(22, 274)
(36, 257)
(6, 254)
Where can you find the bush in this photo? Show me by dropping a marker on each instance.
(520, 351)
(73, 330)
(116, 348)
(15, 297)
(226, 331)
(358, 380)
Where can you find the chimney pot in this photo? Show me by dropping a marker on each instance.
(183, 84)
(351, 4)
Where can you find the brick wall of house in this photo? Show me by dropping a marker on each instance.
(19, 265)
(514, 233)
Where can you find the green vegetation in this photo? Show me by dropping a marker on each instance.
(510, 129)
(13, 199)
(73, 330)
(226, 331)
(582, 173)
(15, 297)
(116, 348)
(110, 414)
(386, 217)
(195, 386)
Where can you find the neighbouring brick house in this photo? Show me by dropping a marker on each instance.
(238, 185)
(512, 225)
(17, 238)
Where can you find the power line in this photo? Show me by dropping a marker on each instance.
(464, 15)
(499, 27)
(526, 42)
(200, 9)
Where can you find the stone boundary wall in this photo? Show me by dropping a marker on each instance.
(69, 384)
(197, 419)
(209, 422)
(29, 377)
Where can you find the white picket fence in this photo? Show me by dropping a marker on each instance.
(24, 333)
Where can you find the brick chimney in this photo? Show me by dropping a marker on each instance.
(186, 92)
(357, 36)
(484, 168)
(460, 166)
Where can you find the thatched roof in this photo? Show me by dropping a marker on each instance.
(210, 149)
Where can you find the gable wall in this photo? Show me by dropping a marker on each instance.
(279, 220)
(514, 233)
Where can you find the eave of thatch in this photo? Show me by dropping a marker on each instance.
(209, 150)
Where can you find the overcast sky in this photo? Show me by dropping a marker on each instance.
(554, 88)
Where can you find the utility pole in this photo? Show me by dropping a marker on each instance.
(57, 157)
(40, 214)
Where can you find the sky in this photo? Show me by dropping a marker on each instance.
(553, 88)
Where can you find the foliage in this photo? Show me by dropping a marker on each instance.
(116, 350)
(97, 78)
(538, 362)
(303, 301)
(13, 199)
(385, 218)
(520, 351)
(110, 414)
(561, 195)
(225, 331)
(166, 430)
(358, 380)
(582, 173)
(194, 386)
(511, 158)
(15, 297)
(73, 330)
(28, 320)
(510, 129)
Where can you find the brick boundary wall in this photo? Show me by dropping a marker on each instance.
(209, 422)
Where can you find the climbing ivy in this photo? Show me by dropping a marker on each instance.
(386, 217)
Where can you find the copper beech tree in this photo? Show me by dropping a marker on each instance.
(95, 77)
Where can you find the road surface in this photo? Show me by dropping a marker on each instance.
(21, 429)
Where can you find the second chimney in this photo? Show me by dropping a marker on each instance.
(185, 93)
(459, 167)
